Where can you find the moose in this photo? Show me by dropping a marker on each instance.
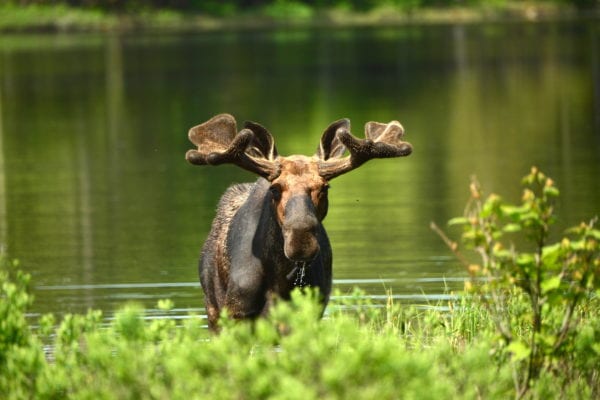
(267, 237)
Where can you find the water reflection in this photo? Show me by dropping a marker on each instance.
(98, 204)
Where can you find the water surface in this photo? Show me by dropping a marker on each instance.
(98, 204)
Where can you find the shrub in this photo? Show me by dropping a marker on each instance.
(528, 325)
(540, 296)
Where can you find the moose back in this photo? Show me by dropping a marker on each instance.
(267, 237)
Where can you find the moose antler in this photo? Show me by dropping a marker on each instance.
(218, 142)
(382, 141)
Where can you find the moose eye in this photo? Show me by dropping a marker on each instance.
(275, 192)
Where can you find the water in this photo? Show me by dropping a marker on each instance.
(98, 204)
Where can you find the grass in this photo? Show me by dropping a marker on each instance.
(59, 17)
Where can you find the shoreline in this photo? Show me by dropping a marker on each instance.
(62, 19)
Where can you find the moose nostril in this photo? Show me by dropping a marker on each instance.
(300, 245)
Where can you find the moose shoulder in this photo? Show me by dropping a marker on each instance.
(267, 236)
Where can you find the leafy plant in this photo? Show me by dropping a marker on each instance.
(537, 293)
(529, 321)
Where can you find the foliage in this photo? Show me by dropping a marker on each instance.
(103, 15)
(216, 7)
(290, 355)
(537, 293)
(360, 350)
(284, 9)
(519, 330)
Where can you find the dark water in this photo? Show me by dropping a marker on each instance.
(97, 202)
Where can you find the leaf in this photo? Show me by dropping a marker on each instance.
(458, 221)
(548, 340)
(503, 254)
(552, 253)
(512, 228)
(551, 191)
(491, 206)
(529, 215)
(513, 211)
(595, 233)
(519, 350)
(525, 259)
(550, 284)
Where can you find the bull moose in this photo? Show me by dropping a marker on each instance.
(267, 237)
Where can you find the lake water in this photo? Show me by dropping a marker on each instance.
(99, 205)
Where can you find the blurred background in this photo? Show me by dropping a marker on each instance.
(99, 205)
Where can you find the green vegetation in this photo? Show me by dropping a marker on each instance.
(528, 326)
(211, 14)
(554, 286)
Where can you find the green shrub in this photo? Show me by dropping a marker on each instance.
(518, 331)
(542, 297)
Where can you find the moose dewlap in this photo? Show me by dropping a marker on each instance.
(267, 236)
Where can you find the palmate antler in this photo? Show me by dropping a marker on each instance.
(253, 148)
(382, 141)
(218, 141)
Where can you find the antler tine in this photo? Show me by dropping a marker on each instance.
(237, 154)
(219, 144)
(382, 141)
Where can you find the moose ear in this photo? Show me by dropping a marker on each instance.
(331, 146)
(262, 144)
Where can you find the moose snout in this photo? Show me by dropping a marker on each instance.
(300, 230)
(300, 245)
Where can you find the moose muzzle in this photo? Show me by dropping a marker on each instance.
(300, 229)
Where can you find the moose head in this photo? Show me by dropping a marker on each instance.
(299, 183)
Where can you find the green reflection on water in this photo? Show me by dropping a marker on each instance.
(95, 191)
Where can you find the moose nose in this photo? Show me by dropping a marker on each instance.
(300, 229)
(300, 245)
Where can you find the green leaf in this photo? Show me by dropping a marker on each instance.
(551, 254)
(551, 191)
(595, 233)
(491, 206)
(529, 215)
(519, 350)
(550, 284)
(512, 228)
(547, 340)
(165, 304)
(503, 254)
(525, 259)
(513, 211)
(577, 245)
(458, 221)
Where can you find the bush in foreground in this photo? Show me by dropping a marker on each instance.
(360, 350)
